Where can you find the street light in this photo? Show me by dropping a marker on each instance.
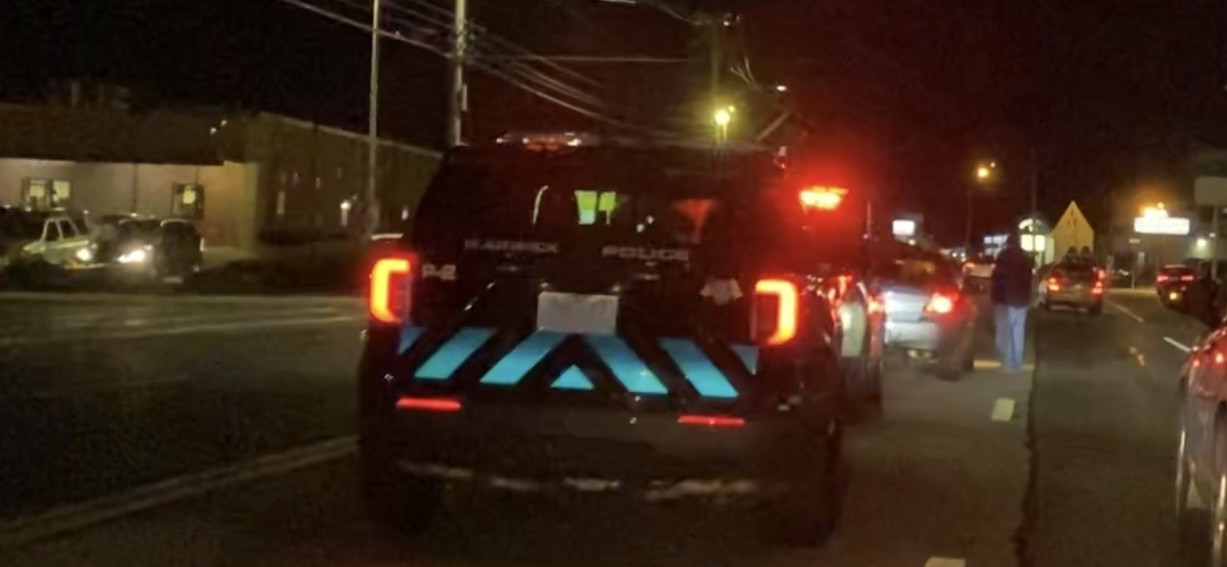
(722, 117)
(984, 171)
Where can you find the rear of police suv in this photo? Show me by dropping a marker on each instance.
(602, 319)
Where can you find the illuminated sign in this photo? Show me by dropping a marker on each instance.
(903, 227)
(1034, 242)
(1161, 225)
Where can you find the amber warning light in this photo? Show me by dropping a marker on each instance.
(822, 198)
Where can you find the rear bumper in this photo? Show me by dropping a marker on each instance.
(1073, 298)
(546, 447)
(926, 334)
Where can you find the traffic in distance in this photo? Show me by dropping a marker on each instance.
(645, 321)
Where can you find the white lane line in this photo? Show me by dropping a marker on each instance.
(1125, 310)
(1003, 410)
(207, 328)
(22, 531)
(1178, 344)
(945, 562)
(127, 321)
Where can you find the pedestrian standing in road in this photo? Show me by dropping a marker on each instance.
(1011, 294)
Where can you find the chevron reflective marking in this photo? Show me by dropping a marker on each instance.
(748, 355)
(444, 362)
(512, 367)
(408, 336)
(627, 367)
(708, 380)
(573, 379)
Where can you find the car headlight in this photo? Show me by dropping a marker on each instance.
(134, 256)
(84, 255)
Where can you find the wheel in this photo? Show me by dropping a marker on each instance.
(398, 501)
(806, 514)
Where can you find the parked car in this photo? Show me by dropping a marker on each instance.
(144, 249)
(927, 314)
(978, 272)
(1201, 466)
(41, 247)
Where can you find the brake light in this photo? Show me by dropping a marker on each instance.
(1161, 278)
(775, 310)
(1097, 289)
(1054, 285)
(940, 304)
(825, 198)
(1186, 278)
(388, 301)
(428, 404)
(710, 420)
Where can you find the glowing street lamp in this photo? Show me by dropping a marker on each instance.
(722, 117)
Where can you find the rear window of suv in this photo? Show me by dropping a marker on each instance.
(617, 196)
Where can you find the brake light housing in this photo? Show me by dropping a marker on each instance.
(388, 294)
(822, 198)
(776, 311)
(1054, 285)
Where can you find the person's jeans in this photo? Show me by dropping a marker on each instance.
(1011, 323)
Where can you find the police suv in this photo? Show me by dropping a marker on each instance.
(658, 321)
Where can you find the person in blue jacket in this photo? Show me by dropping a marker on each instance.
(1011, 295)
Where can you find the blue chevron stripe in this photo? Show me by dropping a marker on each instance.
(573, 379)
(627, 367)
(408, 336)
(708, 380)
(454, 352)
(748, 355)
(515, 365)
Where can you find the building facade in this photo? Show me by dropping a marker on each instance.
(250, 180)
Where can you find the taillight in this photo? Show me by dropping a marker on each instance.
(775, 311)
(940, 304)
(710, 420)
(1186, 278)
(1097, 289)
(1161, 278)
(389, 289)
(428, 404)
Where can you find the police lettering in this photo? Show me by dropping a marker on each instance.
(647, 254)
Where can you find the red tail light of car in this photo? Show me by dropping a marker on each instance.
(428, 404)
(1187, 278)
(1162, 278)
(1054, 285)
(388, 299)
(710, 420)
(776, 311)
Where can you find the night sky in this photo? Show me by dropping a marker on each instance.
(908, 94)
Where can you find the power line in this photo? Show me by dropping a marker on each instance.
(511, 79)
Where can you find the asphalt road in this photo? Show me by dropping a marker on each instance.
(1070, 465)
(104, 393)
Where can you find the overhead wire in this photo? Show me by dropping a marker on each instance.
(511, 79)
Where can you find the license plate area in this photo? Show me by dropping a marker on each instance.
(575, 313)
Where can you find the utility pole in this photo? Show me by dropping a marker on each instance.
(1035, 183)
(970, 213)
(457, 99)
(714, 36)
(372, 128)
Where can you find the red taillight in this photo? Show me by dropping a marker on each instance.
(1186, 278)
(940, 304)
(1161, 278)
(428, 404)
(1218, 358)
(775, 310)
(1054, 285)
(1097, 289)
(389, 291)
(710, 420)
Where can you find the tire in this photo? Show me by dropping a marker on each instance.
(806, 514)
(400, 502)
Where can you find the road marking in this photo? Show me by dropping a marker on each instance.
(1178, 344)
(986, 364)
(23, 531)
(945, 562)
(163, 318)
(1003, 409)
(207, 328)
(1125, 310)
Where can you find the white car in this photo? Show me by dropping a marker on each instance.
(55, 239)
